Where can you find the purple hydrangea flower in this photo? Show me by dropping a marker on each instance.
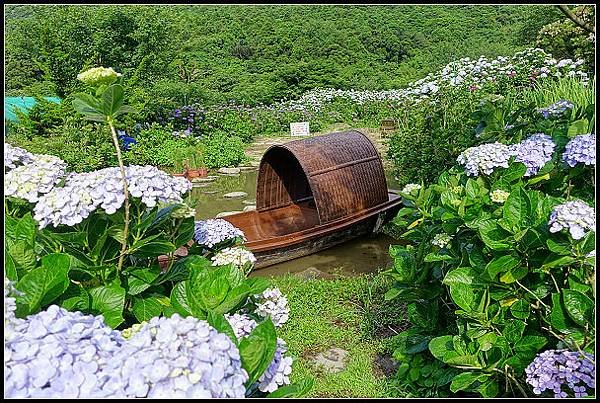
(581, 149)
(214, 231)
(16, 156)
(534, 152)
(562, 371)
(277, 373)
(576, 216)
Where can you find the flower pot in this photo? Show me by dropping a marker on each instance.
(203, 172)
(192, 173)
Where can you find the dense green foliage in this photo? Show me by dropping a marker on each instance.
(501, 286)
(253, 54)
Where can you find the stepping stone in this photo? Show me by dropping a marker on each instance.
(229, 171)
(247, 169)
(249, 208)
(200, 185)
(385, 365)
(332, 360)
(235, 195)
(210, 192)
(204, 180)
(312, 273)
(226, 213)
(249, 202)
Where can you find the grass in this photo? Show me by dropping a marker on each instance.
(339, 313)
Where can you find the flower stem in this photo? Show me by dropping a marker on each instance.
(125, 191)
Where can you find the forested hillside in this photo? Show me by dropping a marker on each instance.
(214, 54)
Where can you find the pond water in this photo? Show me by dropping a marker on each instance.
(366, 254)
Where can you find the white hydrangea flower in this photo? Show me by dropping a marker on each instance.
(484, 158)
(410, 187)
(271, 303)
(213, 231)
(16, 156)
(576, 216)
(36, 177)
(237, 255)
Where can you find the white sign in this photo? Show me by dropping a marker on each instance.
(299, 129)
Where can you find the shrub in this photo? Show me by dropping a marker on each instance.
(500, 265)
(156, 145)
(222, 150)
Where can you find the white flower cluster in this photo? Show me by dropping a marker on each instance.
(534, 152)
(484, 158)
(213, 231)
(236, 255)
(410, 187)
(16, 156)
(57, 353)
(83, 193)
(271, 303)
(277, 373)
(98, 75)
(581, 149)
(499, 196)
(441, 240)
(530, 64)
(36, 177)
(576, 216)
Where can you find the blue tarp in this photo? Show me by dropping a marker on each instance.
(23, 103)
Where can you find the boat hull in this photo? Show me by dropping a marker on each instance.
(276, 249)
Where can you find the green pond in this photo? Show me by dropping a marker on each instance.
(362, 255)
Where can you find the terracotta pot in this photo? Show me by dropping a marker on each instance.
(203, 172)
(192, 173)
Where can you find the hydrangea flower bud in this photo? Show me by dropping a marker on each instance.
(97, 76)
(441, 240)
(499, 196)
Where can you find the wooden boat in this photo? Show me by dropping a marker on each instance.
(315, 193)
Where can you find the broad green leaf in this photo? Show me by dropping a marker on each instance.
(494, 236)
(516, 209)
(75, 298)
(559, 318)
(109, 301)
(258, 349)
(112, 99)
(515, 171)
(513, 275)
(489, 388)
(579, 307)
(513, 331)
(462, 381)
(10, 270)
(179, 300)
(553, 261)
(140, 279)
(43, 285)
(147, 308)
(500, 265)
(530, 344)
(562, 249)
(257, 285)
(23, 256)
(221, 324)
(26, 230)
(520, 309)
(155, 248)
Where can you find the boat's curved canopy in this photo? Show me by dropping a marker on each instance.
(341, 173)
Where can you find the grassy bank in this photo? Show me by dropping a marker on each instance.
(347, 313)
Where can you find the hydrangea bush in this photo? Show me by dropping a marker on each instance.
(498, 266)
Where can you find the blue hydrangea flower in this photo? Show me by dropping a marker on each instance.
(37, 176)
(271, 303)
(576, 216)
(562, 371)
(581, 149)
(556, 110)
(16, 156)
(213, 231)
(534, 152)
